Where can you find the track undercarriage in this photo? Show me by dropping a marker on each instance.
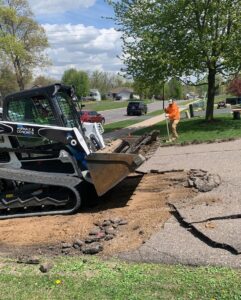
(39, 193)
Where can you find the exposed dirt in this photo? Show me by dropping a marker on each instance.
(141, 201)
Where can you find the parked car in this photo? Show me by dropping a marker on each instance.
(136, 108)
(91, 116)
(118, 97)
(221, 104)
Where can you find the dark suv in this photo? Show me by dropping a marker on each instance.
(136, 108)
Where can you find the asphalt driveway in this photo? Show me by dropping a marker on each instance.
(176, 243)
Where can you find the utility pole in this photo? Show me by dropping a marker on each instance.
(163, 95)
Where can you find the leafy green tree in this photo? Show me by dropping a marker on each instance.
(22, 39)
(163, 39)
(175, 89)
(141, 88)
(79, 79)
(8, 83)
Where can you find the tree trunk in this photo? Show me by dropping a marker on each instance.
(20, 83)
(18, 73)
(211, 94)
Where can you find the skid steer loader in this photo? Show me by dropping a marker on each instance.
(46, 159)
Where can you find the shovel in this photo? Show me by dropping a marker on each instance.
(168, 133)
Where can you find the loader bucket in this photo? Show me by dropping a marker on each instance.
(108, 169)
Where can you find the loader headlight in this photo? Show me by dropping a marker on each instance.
(73, 143)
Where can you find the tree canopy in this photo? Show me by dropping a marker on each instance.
(180, 38)
(79, 79)
(8, 83)
(22, 39)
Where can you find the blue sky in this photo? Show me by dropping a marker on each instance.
(95, 15)
(80, 35)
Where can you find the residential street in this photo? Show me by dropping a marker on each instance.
(119, 114)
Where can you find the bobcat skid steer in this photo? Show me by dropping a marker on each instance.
(46, 159)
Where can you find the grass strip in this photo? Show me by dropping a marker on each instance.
(121, 124)
(106, 105)
(197, 129)
(92, 278)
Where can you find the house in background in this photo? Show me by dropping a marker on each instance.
(122, 93)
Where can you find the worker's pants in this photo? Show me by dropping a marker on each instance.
(174, 128)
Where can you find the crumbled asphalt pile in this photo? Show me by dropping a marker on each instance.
(202, 181)
(94, 243)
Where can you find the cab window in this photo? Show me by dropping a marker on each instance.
(67, 110)
(35, 110)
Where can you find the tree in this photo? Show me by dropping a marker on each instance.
(22, 40)
(79, 79)
(142, 89)
(43, 81)
(175, 89)
(8, 83)
(181, 38)
(104, 81)
(100, 81)
(234, 86)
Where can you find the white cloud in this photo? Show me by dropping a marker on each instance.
(82, 47)
(40, 7)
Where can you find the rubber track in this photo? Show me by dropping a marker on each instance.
(45, 178)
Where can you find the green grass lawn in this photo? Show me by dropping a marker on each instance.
(222, 97)
(223, 127)
(71, 278)
(119, 125)
(107, 104)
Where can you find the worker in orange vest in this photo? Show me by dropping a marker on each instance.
(173, 114)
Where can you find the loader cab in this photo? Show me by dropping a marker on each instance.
(51, 105)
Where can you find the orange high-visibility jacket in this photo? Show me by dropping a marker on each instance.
(173, 111)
